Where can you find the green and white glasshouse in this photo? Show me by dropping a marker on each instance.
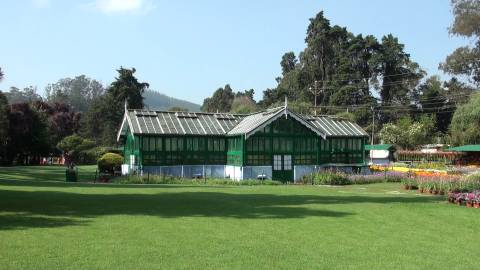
(273, 144)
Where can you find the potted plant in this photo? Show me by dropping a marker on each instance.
(470, 199)
(459, 199)
(451, 197)
(476, 202)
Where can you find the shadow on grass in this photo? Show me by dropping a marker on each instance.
(60, 208)
(25, 221)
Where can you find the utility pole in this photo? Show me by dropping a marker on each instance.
(373, 124)
(316, 92)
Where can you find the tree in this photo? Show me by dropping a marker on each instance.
(4, 128)
(105, 115)
(78, 92)
(466, 123)
(1, 74)
(407, 133)
(457, 92)
(126, 87)
(28, 135)
(243, 104)
(289, 60)
(340, 69)
(72, 146)
(92, 122)
(61, 120)
(465, 60)
(434, 101)
(221, 101)
(27, 95)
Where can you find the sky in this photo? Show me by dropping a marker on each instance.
(189, 48)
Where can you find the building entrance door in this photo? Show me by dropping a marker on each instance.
(282, 168)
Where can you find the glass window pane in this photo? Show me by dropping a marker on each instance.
(174, 144)
(168, 146)
(145, 144)
(159, 144)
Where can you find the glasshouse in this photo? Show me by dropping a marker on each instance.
(273, 144)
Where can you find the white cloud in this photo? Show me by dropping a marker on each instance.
(122, 6)
(41, 3)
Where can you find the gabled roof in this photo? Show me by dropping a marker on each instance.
(335, 127)
(177, 123)
(148, 122)
(254, 122)
(369, 147)
(466, 148)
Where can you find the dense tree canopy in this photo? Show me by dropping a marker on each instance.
(28, 94)
(221, 101)
(4, 128)
(28, 135)
(353, 76)
(407, 133)
(465, 125)
(465, 60)
(338, 69)
(78, 92)
(72, 146)
(102, 120)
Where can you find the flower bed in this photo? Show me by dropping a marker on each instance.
(339, 178)
(469, 199)
(377, 177)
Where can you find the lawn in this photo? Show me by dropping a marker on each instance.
(45, 173)
(53, 225)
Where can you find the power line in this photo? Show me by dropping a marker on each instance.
(449, 98)
(365, 78)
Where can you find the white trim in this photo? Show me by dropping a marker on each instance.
(119, 133)
(166, 124)
(145, 122)
(200, 122)
(323, 124)
(210, 126)
(279, 114)
(220, 125)
(308, 125)
(138, 123)
(339, 127)
(153, 125)
(180, 123)
(160, 125)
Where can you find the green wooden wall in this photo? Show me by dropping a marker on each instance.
(283, 136)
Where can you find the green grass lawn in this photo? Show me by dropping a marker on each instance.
(86, 173)
(49, 225)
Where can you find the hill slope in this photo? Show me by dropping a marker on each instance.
(158, 101)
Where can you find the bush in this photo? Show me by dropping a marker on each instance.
(110, 162)
(91, 156)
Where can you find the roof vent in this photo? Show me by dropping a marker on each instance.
(146, 113)
(224, 116)
(185, 115)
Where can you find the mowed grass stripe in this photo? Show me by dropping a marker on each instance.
(46, 225)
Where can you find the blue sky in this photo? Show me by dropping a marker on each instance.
(187, 49)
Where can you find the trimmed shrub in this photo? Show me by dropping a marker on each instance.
(109, 163)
